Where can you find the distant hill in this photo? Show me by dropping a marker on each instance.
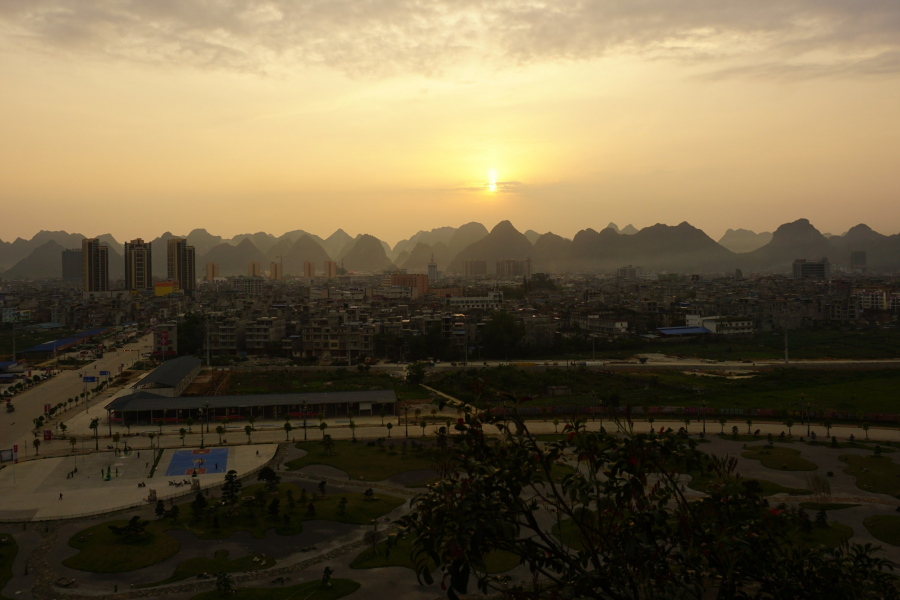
(439, 234)
(744, 240)
(305, 248)
(202, 241)
(232, 260)
(262, 240)
(790, 241)
(367, 254)
(504, 241)
(336, 242)
(45, 262)
(532, 236)
(466, 235)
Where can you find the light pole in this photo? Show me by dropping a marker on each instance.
(202, 439)
(702, 409)
(406, 414)
(207, 417)
(303, 408)
(802, 397)
(593, 416)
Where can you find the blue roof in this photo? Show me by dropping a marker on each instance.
(683, 330)
(65, 342)
(6, 365)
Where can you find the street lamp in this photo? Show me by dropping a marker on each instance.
(303, 409)
(406, 414)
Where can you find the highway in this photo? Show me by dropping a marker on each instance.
(15, 427)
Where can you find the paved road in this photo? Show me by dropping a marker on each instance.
(15, 427)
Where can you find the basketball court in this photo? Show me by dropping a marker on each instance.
(206, 461)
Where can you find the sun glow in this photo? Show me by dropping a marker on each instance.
(492, 183)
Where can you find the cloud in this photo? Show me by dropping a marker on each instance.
(386, 37)
(499, 187)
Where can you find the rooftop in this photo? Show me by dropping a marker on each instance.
(172, 372)
(143, 400)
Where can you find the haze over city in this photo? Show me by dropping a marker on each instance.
(391, 117)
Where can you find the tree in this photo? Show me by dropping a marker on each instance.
(198, 506)
(173, 513)
(342, 506)
(555, 425)
(828, 427)
(190, 423)
(353, 430)
(95, 425)
(322, 488)
(220, 430)
(37, 444)
(268, 476)
(423, 425)
(322, 427)
(622, 538)
(251, 420)
(160, 509)
(134, 528)
(501, 334)
(160, 423)
(287, 430)
(415, 373)
(789, 423)
(389, 427)
(749, 425)
(722, 423)
(326, 577)
(151, 435)
(73, 442)
(191, 334)
(182, 433)
(865, 427)
(327, 442)
(382, 413)
(372, 537)
(275, 508)
(231, 489)
(687, 423)
(223, 584)
(248, 430)
(63, 427)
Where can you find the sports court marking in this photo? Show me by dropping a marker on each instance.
(206, 461)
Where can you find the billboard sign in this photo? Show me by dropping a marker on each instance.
(48, 435)
(16, 453)
(47, 408)
(163, 338)
(104, 373)
(9, 315)
(89, 379)
(6, 455)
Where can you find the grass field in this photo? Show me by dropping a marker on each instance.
(360, 461)
(26, 338)
(877, 474)
(779, 389)
(782, 459)
(884, 528)
(101, 551)
(401, 556)
(312, 590)
(218, 564)
(8, 551)
(340, 380)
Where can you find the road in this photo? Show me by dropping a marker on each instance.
(15, 427)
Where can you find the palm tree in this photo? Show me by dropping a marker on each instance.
(556, 425)
(220, 430)
(423, 425)
(353, 430)
(722, 422)
(72, 442)
(224, 421)
(389, 427)
(322, 427)
(827, 425)
(115, 438)
(789, 423)
(160, 423)
(248, 430)
(287, 430)
(251, 419)
(865, 427)
(687, 422)
(151, 435)
(418, 412)
(749, 425)
(95, 425)
(182, 432)
(37, 444)
(382, 413)
(434, 413)
(63, 427)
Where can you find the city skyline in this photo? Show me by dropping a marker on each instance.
(551, 114)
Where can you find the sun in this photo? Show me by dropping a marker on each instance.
(492, 181)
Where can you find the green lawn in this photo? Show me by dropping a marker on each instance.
(8, 551)
(782, 459)
(311, 590)
(218, 564)
(496, 562)
(877, 474)
(817, 506)
(360, 461)
(101, 551)
(884, 528)
(831, 537)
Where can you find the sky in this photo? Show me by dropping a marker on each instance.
(391, 116)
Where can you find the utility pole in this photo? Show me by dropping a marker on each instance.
(785, 340)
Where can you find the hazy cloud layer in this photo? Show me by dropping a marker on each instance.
(499, 187)
(779, 38)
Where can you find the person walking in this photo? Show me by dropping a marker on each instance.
(60, 495)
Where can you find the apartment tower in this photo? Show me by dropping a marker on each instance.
(253, 269)
(275, 271)
(180, 264)
(330, 269)
(94, 266)
(138, 265)
(309, 269)
(212, 271)
(72, 265)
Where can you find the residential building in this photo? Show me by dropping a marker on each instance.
(275, 271)
(72, 265)
(475, 268)
(252, 286)
(872, 299)
(138, 265)
(509, 268)
(722, 325)
(262, 332)
(165, 339)
(330, 269)
(212, 271)
(629, 272)
(858, 261)
(420, 282)
(432, 270)
(180, 264)
(602, 325)
(164, 288)
(811, 269)
(171, 378)
(95, 266)
(253, 269)
(493, 301)
(309, 269)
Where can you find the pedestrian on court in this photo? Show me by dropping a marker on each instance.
(60, 495)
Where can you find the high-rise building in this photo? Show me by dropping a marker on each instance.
(72, 265)
(138, 265)
(811, 269)
(212, 271)
(475, 268)
(514, 268)
(275, 271)
(95, 266)
(181, 265)
(309, 269)
(330, 269)
(420, 282)
(432, 270)
(629, 272)
(253, 269)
